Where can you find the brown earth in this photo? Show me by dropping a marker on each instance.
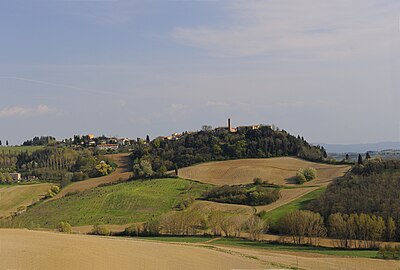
(279, 171)
(23, 249)
(123, 172)
(207, 207)
(276, 170)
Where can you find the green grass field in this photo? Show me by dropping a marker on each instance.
(178, 239)
(19, 149)
(295, 248)
(268, 246)
(297, 204)
(120, 204)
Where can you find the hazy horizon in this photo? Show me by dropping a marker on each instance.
(325, 70)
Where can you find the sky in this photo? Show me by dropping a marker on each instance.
(327, 70)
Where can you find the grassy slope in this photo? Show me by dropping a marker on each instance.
(13, 196)
(135, 201)
(297, 204)
(19, 149)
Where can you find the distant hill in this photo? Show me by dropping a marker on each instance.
(153, 159)
(360, 148)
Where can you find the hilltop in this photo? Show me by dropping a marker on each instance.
(155, 158)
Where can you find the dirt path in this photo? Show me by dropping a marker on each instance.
(290, 195)
(23, 249)
(122, 172)
(287, 196)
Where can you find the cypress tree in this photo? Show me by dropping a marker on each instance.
(360, 160)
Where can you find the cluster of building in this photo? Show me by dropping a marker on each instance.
(232, 129)
(101, 142)
(114, 143)
(229, 128)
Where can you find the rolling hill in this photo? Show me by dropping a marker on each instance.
(136, 201)
(242, 171)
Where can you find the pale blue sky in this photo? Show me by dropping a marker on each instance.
(328, 70)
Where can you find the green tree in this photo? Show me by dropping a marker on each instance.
(64, 227)
(310, 173)
(390, 229)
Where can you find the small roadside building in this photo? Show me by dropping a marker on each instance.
(16, 176)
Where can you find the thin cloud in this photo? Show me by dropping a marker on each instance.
(18, 111)
(305, 29)
(57, 85)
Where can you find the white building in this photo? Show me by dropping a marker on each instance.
(16, 176)
(108, 147)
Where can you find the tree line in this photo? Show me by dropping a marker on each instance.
(376, 194)
(63, 164)
(349, 231)
(253, 194)
(375, 166)
(193, 222)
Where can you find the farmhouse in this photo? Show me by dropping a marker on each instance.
(16, 176)
(174, 136)
(108, 147)
(244, 128)
(124, 141)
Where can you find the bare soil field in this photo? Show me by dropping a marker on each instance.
(23, 249)
(122, 172)
(275, 170)
(13, 197)
(207, 207)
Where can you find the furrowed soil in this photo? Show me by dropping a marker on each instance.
(23, 249)
(279, 171)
